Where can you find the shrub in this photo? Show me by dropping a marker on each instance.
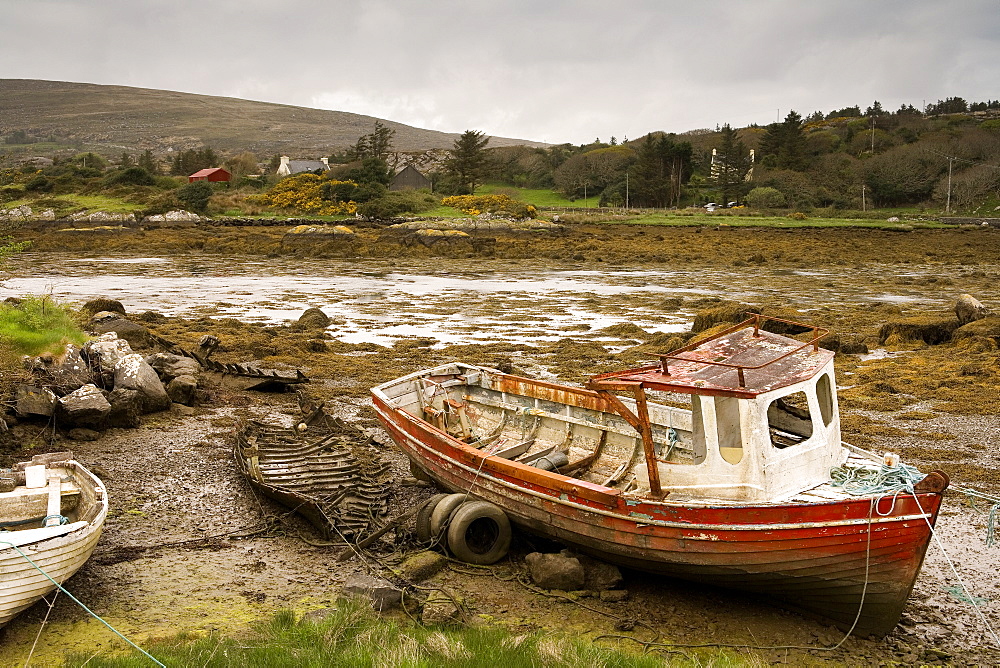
(765, 198)
(797, 215)
(133, 176)
(309, 193)
(195, 195)
(501, 204)
(39, 184)
(396, 203)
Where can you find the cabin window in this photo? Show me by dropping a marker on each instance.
(789, 421)
(824, 393)
(728, 429)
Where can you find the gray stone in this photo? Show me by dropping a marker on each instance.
(422, 565)
(105, 351)
(85, 407)
(555, 571)
(83, 434)
(969, 309)
(313, 318)
(132, 373)
(440, 611)
(106, 321)
(613, 595)
(382, 593)
(181, 390)
(32, 400)
(126, 407)
(170, 366)
(69, 372)
(104, 304)
(598, 575)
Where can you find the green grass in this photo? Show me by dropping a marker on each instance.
(536, 196)
(37, 325)
(352, 636)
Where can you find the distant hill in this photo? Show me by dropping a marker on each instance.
(112, 119)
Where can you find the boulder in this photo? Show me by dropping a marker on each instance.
(69, 371)
(126, 407)
(382, 593)
(31, 400)
(85, 407)
(931, 330)
(556, 571)
(105, 351)
(597, 575)
(104, 304)
(181, 390)
(106, 321)
(422, 565)
(313, 318)
(969, 309)
(132, 373)
(170, 366)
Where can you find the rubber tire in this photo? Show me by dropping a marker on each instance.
(424, 534)
(479, 533)
(443, 511)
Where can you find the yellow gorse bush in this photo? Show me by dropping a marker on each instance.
(304, 192)
(477, 204)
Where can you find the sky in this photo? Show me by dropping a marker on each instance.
(545, 70)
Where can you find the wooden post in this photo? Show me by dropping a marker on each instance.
(646, 431)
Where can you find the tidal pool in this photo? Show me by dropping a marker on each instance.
(456, 301)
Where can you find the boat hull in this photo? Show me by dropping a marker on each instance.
(852, 562)
(23, 582)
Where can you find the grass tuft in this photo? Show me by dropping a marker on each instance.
(37, 325)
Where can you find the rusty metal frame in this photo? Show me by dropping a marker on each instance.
(640, 422)
(817, 334)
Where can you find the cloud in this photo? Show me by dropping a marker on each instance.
(554, 71)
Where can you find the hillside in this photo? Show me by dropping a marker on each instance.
(112, 119)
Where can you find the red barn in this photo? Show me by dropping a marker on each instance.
(210, 174)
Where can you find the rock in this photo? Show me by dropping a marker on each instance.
(613, 595)
(383, 594)
(181, 390)
(106, 321)
(173, 217)
(555, 571)
(440, 611)
(104, 353)
(69, 372)
(85, 407)
(892, 219)
(207, 345)
(969, 309)
(318, 616)
(170, 366)
(597, 575)
(313, 318)
(132, 373)
(83, 434)
(104, 304)
(930, 330)
(31, 400)
(126, 407)
(422, 565)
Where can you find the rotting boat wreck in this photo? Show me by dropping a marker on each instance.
(713, 465)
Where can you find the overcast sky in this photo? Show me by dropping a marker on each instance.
(545, 70)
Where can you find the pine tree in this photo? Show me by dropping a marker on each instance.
(467, 160)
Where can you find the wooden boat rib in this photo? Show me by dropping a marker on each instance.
(315, 473)
(57, 551)
(732, 489)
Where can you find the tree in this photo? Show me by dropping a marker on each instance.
(466, 162)
(126, 161)
(662, 167)
(242, 164)
(148, 162)
(785, 141)
(731, 165)
(377, 144)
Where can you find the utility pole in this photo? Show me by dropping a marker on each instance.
(863, 197)
(947, 207)
(626, 190)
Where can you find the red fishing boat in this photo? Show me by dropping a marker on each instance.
(722, 463)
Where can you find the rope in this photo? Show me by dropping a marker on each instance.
(961, 583)
(80, 603)
(867, 481)
(972, 495)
